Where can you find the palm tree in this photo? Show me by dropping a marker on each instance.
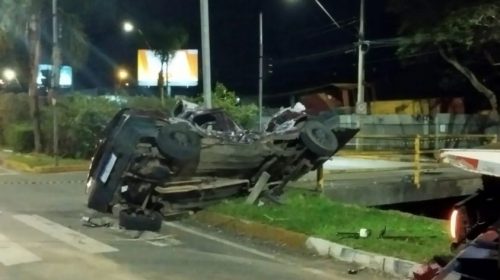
(167, 41)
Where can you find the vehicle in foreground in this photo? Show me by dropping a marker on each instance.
(474, 222)
(148, 164)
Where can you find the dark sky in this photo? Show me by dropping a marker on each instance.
(292, 29)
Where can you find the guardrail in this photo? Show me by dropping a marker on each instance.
(415, 147)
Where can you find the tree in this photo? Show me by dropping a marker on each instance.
(461, 32)
(28, 14)
(167, 40)
(23, 20)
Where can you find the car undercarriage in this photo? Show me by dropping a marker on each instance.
(148, 162)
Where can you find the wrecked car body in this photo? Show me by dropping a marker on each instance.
(168, 164)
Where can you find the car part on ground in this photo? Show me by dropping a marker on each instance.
(140, 220)
(197, 157)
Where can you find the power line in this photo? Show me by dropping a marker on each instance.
(327, 13)
(336, 51)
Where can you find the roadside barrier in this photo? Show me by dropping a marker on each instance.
(419, 149)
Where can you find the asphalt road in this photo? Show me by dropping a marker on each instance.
(42, 238)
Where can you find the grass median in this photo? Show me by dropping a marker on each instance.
(407, 236)
(41, 160)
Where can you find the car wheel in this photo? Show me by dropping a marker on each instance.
(137, 220)
(318, 138)
(179, 143)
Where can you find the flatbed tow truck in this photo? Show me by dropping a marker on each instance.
(474, 221)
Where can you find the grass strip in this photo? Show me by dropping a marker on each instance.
(41, 160)
(409, 237)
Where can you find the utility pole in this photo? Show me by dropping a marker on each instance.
(205, 46)
(261, 67)
(56, 65)
(360, 103)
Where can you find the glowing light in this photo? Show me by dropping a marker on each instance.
(9, 74)
(453, 224)
(128, 26)
(122, 74)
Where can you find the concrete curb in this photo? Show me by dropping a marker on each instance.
(390, 265)
(394, 266)
(23, 167)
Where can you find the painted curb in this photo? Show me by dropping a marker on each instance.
(324, 248)
(23, 167)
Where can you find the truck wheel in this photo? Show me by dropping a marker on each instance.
(318, 139)
(177, 142)
(137, 220)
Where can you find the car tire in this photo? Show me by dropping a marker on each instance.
(178, 143)
(318, 139)
(134, 220)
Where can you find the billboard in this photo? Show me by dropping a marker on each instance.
(65, 74)
(182, 68)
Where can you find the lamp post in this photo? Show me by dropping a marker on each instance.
(129, 27)
(361, 107)
(261, 68)
(56, 65)
(361, 104)
(205, 48)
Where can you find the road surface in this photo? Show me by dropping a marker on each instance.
(42, 238)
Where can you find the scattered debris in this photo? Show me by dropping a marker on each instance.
(274, 219)
(95, 222)
(356, 270)
(363, 233)
(413, 238)
(258, 188)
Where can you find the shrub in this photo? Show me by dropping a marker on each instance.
(80, 119)
(245, 115)
(19, 137)
(152, 103)
(14, 108)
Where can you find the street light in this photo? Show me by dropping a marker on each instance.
(122, 74)
(128, 26)
(9, 74)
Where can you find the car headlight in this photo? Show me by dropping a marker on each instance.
(90, 184)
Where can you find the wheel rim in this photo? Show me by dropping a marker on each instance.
(180, 138)
(321, 137)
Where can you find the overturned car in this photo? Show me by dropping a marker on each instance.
(148, 164)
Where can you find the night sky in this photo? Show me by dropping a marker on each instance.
(296, 33)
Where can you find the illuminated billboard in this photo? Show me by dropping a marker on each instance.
(65, 74)
(182, 68)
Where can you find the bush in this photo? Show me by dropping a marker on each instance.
(245, 115)
(81, 119)
(19, 137)
(14, 108)
(152, 103)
